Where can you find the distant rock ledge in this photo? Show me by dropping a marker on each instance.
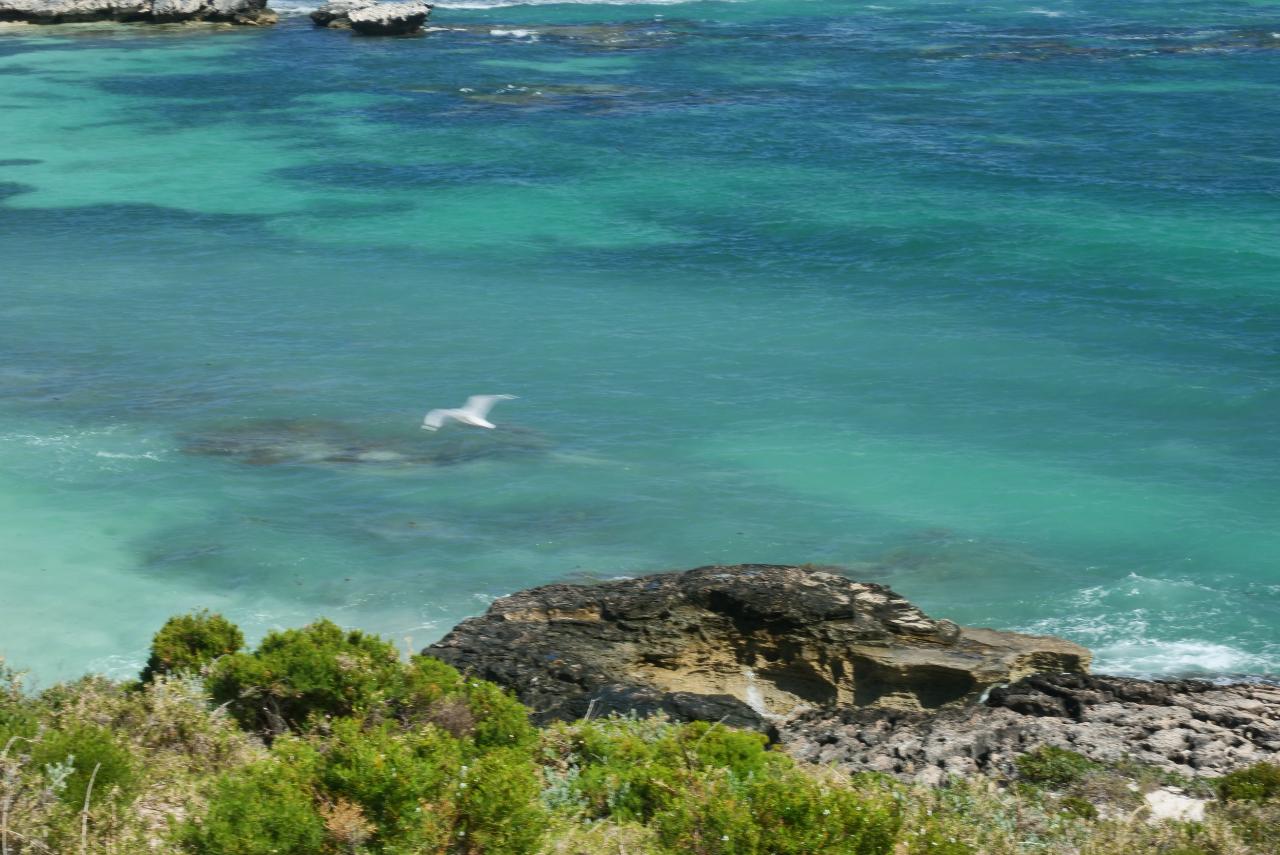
(246, 12)
(362, 16)
(846, 673)
(372, 18)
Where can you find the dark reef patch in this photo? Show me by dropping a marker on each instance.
(281, 442)
(367, 174)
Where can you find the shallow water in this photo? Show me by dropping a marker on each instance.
(981, 303)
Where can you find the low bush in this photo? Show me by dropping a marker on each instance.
(95, 756)
(500, 720)
(1078, 807)
(405, 784)
(376, 788)
(1257, 783)
(188, 643)
(266, 808)
(499, 811)
(936, 841)
(708, 790)
(319, 670)
(1256, 824)
(1051, 766)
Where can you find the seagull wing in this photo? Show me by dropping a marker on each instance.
(435, 419)
(480, 405)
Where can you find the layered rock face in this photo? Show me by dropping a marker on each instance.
(747, 644)
(1191, 727)
(373, 19)
(250, 12)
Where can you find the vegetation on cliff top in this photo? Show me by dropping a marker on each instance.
(324, 741)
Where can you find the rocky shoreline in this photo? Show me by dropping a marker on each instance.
(366, 17)
(847, 673)
(243, 12)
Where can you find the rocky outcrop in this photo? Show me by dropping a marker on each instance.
(334, 13)
(747, 644)
(251, 12)
(1191, 727)
(373, 19)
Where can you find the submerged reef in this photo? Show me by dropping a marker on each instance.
(311, 442)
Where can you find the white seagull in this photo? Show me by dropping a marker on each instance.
(473, 412)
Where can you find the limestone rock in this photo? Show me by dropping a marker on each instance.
(334, 13)
(372, 18)
(252, 12)
(1191, 727)
(747, 644)
(1169, 803)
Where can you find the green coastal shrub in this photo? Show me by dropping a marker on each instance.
(379, 789)
(187, 643)
(1254, 823)
(1055, 767)
(501, 721)
(432, 692)
(86, 748)
(708, 790)
(403, 783)
(1257, 783)
(938, 841)
(18, 722)
(266, 808)
(1078, 807)
(18, 717)
(426, 791)
(326, 672)
(630, 768)
(319, 670)
(499, 810)
(782, 812)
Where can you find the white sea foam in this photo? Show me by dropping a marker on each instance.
(1153, 658)
(53, 440)
(117, 666)
(293, 8)
(531, 35)
(120, 455)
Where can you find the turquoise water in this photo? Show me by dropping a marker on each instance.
(981, 302)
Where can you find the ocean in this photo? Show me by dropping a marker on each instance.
(979, 301)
